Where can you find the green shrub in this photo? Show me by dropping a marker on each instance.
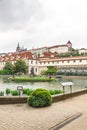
(8, 91)
(32, 79)
(15, 93)
(25, 90)
(58, 91)
(1, 93)
(29, 91)
(39, 98)
(53, 92)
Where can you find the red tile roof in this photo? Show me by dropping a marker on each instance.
(16, 56)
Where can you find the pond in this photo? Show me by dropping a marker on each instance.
(79, 83)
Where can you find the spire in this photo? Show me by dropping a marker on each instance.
(18, 47)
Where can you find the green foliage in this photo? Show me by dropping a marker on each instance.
(20, 66)
(2, 72)
(53, 92)
(1, 93)
(43, 72)
(29, 91)
(32, 79)
(25, 90)
(14, 93)
(8, 91)
(39, 98)
(8, 68)
(76, 73)
(51, 70)
(64, 55)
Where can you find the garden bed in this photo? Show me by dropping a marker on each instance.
(32, 79)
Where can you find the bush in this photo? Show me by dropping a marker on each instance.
(8, 91)
(32, 79)
(1, 93)
(39, 98)
(25, 90)
(15, 93)
(53, 92)
(29, 91)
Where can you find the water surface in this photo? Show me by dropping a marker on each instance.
(79, 83)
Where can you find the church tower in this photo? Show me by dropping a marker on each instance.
(18, 47)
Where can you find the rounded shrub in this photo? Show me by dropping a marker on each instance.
(39, 98)
(29, 91)
(15, 93)
(8, 91)
(1, 93)
(25, 90)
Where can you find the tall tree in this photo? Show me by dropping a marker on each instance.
(20, 66)
(9, 68)
(51, 70)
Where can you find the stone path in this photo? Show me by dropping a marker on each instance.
(24, 117)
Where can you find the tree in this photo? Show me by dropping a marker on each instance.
(8, 68)
(20, 66)
(51, 70)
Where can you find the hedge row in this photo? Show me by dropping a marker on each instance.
(32, 79)
(27, 92)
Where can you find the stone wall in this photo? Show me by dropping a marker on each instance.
(60, 97)
(55, 98)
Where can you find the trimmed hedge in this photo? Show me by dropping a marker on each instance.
(27, 91)
(32, 79)
(8, 91)
(39, 98)
(1, 93)
(53, 92)
(14, 93)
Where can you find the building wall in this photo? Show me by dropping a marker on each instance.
(41, 64)
(82, 51)
(59, 49)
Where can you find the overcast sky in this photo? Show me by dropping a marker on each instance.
(38, 23)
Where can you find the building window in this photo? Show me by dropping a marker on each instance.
(31, 62)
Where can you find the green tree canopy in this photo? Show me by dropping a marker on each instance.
(51, 70)
(20, 66)
(8, 68)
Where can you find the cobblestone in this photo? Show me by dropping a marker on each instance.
(24, 117)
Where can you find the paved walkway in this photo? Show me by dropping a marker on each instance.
(23, 117)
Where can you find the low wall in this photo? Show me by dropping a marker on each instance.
(60, 97)
(12, 99)
(23, 99)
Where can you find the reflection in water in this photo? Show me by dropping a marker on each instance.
(79, 83)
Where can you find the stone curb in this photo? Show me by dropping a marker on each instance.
(66, 121)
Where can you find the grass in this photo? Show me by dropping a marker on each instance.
(32, 79)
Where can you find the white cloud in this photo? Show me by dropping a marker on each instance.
(36, 23)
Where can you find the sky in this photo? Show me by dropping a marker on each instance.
(39, 23)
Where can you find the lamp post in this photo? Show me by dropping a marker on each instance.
(20, 89)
